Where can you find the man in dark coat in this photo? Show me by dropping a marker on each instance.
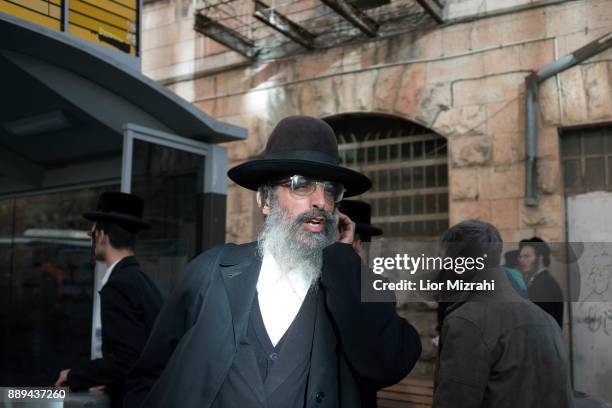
(497, 349)
(129, 299)
(544, 291)
(279, 322)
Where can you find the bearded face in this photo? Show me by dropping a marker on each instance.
(296, 237)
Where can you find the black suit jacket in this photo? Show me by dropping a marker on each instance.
(129, 303)
(545, 292)
(358, 347)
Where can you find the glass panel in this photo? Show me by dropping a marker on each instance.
(374, 206)
(571, 173)
(419, 204)
(594, 172)
(47, 285)
(407, 205)
(393, 152)
(430, 176)
(350, 157)
(431, 227)
(394, 206)
(442, 175)
(395, 179)
(430, 204)
(383, 155)
(406, 151)
(383, 180)
(167, 180)
(430, 149)
(374, 177)
(443, 148)
(383, 205)
(406, 178)
(418, 178)
(394, 229)
(360, 155)
(371, 155)
(592, 141)
(417, 148)
(443, 202)
(570, 146)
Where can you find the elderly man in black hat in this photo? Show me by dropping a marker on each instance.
(279, 322)
(129, 299)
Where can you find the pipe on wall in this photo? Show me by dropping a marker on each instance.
(532, 81)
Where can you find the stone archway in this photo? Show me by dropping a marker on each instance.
(407, 164)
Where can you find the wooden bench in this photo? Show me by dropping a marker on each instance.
(411, 392)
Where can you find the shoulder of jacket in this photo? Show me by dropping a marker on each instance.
(200, 269)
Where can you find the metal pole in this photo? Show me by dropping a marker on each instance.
(126, 161)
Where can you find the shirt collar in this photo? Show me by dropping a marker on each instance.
(108, 273)
(271, 273)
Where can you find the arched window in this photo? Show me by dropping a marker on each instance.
(407, 164)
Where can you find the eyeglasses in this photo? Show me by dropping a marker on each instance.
(303, 186)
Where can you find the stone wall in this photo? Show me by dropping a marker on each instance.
(464, 81)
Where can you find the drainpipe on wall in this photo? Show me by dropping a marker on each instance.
(531, 107)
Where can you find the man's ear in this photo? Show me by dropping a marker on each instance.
(263, 206)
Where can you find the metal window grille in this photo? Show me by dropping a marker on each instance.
(408, 168)
(586, 158)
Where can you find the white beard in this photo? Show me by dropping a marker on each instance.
(293, 248)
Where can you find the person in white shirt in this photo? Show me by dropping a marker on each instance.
(279, 322)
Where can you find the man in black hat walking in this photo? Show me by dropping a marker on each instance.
(279, 322)
(129, 299)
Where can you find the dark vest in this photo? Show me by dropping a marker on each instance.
(264, 375)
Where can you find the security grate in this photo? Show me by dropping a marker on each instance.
(586, 156)
(408, 168)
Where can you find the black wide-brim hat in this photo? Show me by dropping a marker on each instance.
(300, 145)
(120, 208)
(361, 214)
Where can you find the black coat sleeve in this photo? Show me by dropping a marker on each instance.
(546, 293)
(380, 346)
(123, 334)
(175, 318)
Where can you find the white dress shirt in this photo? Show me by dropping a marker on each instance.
(280, 295)
(108, 273)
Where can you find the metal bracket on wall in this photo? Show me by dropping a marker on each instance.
(225, 35)
(355, 16)
(283, 25)
(433, 8)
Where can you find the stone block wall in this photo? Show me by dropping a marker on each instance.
(464, 81)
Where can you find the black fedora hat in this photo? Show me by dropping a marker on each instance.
(361, 214)
(120, 208)
(300, 145)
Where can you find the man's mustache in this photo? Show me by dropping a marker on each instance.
(329, 217)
